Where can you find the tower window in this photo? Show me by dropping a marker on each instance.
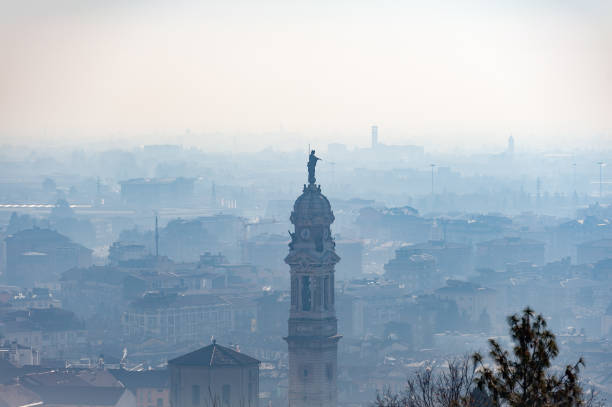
(305, 372)
(226, 394)
(326, 293)
(294, 292)
(306, 300)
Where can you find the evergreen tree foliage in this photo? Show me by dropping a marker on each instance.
(522, 378)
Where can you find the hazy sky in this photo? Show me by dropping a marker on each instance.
(288, 72)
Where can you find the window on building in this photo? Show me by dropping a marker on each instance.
(226, 394)
(306, 301)
(195, 395)
(160, 402)
(294, 292)
(326, 293)
(318, 293)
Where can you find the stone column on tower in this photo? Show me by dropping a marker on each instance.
(313, 337)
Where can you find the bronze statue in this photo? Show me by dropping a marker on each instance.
(312, 162)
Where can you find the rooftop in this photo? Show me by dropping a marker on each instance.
(17, 395)
(462, 287)
(79, 395)
(159, 300)
(601, 243)
(511, 241)
(312, 205)
(214, 356)
(143, 379)
(151, 181)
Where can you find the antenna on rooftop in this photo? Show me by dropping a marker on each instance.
(156, 237)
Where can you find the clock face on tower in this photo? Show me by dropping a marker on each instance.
(305, 233)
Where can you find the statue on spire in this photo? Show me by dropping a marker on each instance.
(312, 162)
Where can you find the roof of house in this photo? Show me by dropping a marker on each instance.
(9, 372)
(99, 377)
(67, 378)
(601, 243)
(39, 235)
(510, 241)
(462, 287)
(143, 379)
(79, 395)
(435, 245)
(37, 240)
(99, 274)
(160, 300)
(17, 395)
(214, 356)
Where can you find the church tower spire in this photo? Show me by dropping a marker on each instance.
(313, 335)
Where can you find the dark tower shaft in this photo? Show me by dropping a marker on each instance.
(313, 336)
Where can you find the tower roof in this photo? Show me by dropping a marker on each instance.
(312, 207)
(214, 356)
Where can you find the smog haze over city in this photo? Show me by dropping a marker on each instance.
(325, 203)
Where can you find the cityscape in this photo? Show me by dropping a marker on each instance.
(384, 255)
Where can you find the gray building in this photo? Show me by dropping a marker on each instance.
(351, 252)
(156, 191)
(496, 254)
(593, 251)
(214, 376)
(452, 258)
(414, 269)
(41, 255)
(265, 251)
(176, 319)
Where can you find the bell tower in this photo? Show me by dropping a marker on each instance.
(313, 335)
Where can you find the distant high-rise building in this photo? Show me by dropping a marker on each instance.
(374, 136)
(313, 332)
(510, 149)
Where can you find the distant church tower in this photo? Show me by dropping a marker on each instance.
(313, 334)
